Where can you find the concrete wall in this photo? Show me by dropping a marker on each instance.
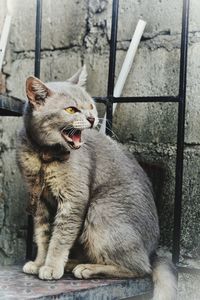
(77, 32)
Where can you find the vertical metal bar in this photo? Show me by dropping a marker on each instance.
(180, 133)
(112, 59)
(38, 30)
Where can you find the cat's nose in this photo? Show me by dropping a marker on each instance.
(91, 120)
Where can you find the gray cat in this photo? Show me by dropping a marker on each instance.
(87, 192)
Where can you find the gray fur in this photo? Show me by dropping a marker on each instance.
(98, 196)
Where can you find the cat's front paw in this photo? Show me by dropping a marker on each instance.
(50, 273)
(31, 268)
(83, 271)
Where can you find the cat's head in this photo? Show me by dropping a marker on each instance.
(58, 112)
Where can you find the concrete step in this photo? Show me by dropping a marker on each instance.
(15, 285)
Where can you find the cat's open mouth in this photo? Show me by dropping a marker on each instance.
(73, 137)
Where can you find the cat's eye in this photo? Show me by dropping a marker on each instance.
(71, 110)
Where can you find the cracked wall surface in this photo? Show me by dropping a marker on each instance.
(77, 32)
(13, 220)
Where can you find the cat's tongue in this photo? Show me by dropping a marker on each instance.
(76, 138)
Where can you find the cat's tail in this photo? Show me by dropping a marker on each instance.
(164, 278)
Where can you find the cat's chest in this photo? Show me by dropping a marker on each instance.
(50, 202)
(63, 179)
(58, 178)
(50, 175)
(31, 164)
(54, 177)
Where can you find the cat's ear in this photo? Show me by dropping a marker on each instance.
(80, 77)
(36, 91)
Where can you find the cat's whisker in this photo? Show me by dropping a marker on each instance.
(69, 128)
(71, 132)
(113, 133)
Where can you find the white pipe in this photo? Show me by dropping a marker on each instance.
(128, 61)
(4, 38)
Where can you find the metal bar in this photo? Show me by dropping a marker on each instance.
(38, 30)
(8, 113)
(11, 106)
(14, 106)
(112, 99)
(112, 59)
(180, 133)
(145, 99)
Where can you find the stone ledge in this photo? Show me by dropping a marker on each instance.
(14, 285)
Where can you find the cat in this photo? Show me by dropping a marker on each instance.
(89, 191)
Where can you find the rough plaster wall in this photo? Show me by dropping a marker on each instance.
(76, 32)
(3, 10)
(12, 196)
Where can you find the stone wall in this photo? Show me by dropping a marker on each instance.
(77, 32)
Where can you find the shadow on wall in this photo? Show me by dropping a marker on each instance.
(157, 175)
(159, 164)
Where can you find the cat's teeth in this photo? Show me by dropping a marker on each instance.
(78, 144)
(66, 137)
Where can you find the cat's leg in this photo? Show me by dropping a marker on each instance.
(42, 235)
(85, 271)
(113, 245)
(67, 225)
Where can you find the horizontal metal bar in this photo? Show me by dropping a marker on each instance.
(147, 99)
(8, 113)
(11, 106)
(103, 100)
